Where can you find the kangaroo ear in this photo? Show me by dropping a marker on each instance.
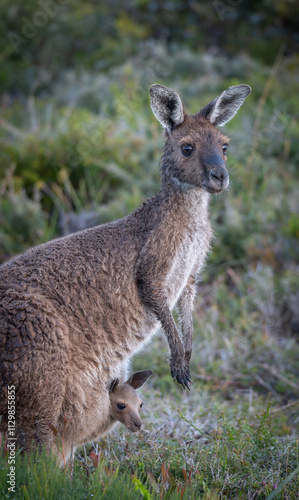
(167, 106)
(113, 384)
(139, 378)
(225, 106)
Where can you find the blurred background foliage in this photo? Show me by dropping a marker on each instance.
(80, 146)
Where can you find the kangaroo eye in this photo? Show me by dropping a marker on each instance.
(186, 149)
(141, 405)
(224, 148)
(121, 406)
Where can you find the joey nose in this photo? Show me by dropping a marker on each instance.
(137, 424)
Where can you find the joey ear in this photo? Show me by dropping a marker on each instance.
(224, 107)
(113, 384)
(167, 106)
(139, 378)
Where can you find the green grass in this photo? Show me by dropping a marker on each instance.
(237, 459)
(39, 477)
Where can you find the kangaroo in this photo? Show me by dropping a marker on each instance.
(73, 311)
(124, 402)
(125, 406)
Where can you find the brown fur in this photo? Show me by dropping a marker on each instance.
(125, 404)
(73, 311)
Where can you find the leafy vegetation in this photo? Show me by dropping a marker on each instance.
(80, 146)
(234, 461)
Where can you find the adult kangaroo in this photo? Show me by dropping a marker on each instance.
(73, 311)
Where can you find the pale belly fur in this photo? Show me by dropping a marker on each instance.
(189, 260)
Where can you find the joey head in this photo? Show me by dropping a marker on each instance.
(125, 402)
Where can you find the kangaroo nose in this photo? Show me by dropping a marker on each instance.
(218, 174)
(138, 424)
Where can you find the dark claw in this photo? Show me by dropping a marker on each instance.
(181, 375)
(188, 376)
(188, 386)
(186, 383)
(179, 379)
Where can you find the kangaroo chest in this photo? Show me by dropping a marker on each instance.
(188, 260)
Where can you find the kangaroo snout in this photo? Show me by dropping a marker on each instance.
(219, 178)
(135, 426)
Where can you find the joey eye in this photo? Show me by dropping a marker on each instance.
(141, 405)
(186, 149)
(224, 148)
(121, 406)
